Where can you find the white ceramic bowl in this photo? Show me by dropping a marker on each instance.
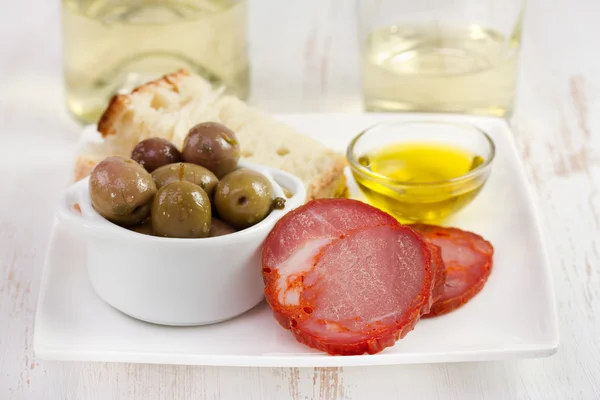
(173, 281)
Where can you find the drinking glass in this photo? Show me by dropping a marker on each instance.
(113, 46)
(456, 56)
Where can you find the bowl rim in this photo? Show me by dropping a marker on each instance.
(91, 223)
(356, 166)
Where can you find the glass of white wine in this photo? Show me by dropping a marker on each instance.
(458, 56)
(113, 46)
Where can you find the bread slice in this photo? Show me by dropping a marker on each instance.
(170, 106)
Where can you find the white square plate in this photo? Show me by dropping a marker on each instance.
(513, 317)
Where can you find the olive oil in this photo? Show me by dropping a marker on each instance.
(469, 69)
(420, 181)
(113, 46)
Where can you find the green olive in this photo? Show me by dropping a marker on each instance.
(121, 190)
(213, 146)
(182, 210)
(192, 173)
(219, 228)
(243, 198)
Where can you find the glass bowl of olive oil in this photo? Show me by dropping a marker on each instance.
(422, 170)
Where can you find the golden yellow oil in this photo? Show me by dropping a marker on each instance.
(467, 69)
(420, 167)
(113, 46)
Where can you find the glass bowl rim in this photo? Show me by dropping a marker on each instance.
(355, 165)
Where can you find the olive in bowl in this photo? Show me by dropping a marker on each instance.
(155, 152)
(121, 190)
(173, 281)
(181, 210)
(243, 198)
(192, 173)
(213, 146)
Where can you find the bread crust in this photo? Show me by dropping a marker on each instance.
(119, 102)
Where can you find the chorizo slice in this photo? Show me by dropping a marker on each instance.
(468, 260)
(346, 278)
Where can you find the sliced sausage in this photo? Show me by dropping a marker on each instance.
(320, 221)
(467, 259)
(346, 278)
(439, 269)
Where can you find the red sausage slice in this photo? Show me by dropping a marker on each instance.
(349, 279)
(468, 263)
(320, 221)
(439, 271)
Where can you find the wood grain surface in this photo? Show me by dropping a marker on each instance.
(304, 58)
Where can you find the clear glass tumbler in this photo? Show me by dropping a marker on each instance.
(440, 55)
(112, 46)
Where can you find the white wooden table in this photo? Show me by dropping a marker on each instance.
(311, 64)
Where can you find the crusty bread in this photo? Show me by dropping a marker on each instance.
(170, 106)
